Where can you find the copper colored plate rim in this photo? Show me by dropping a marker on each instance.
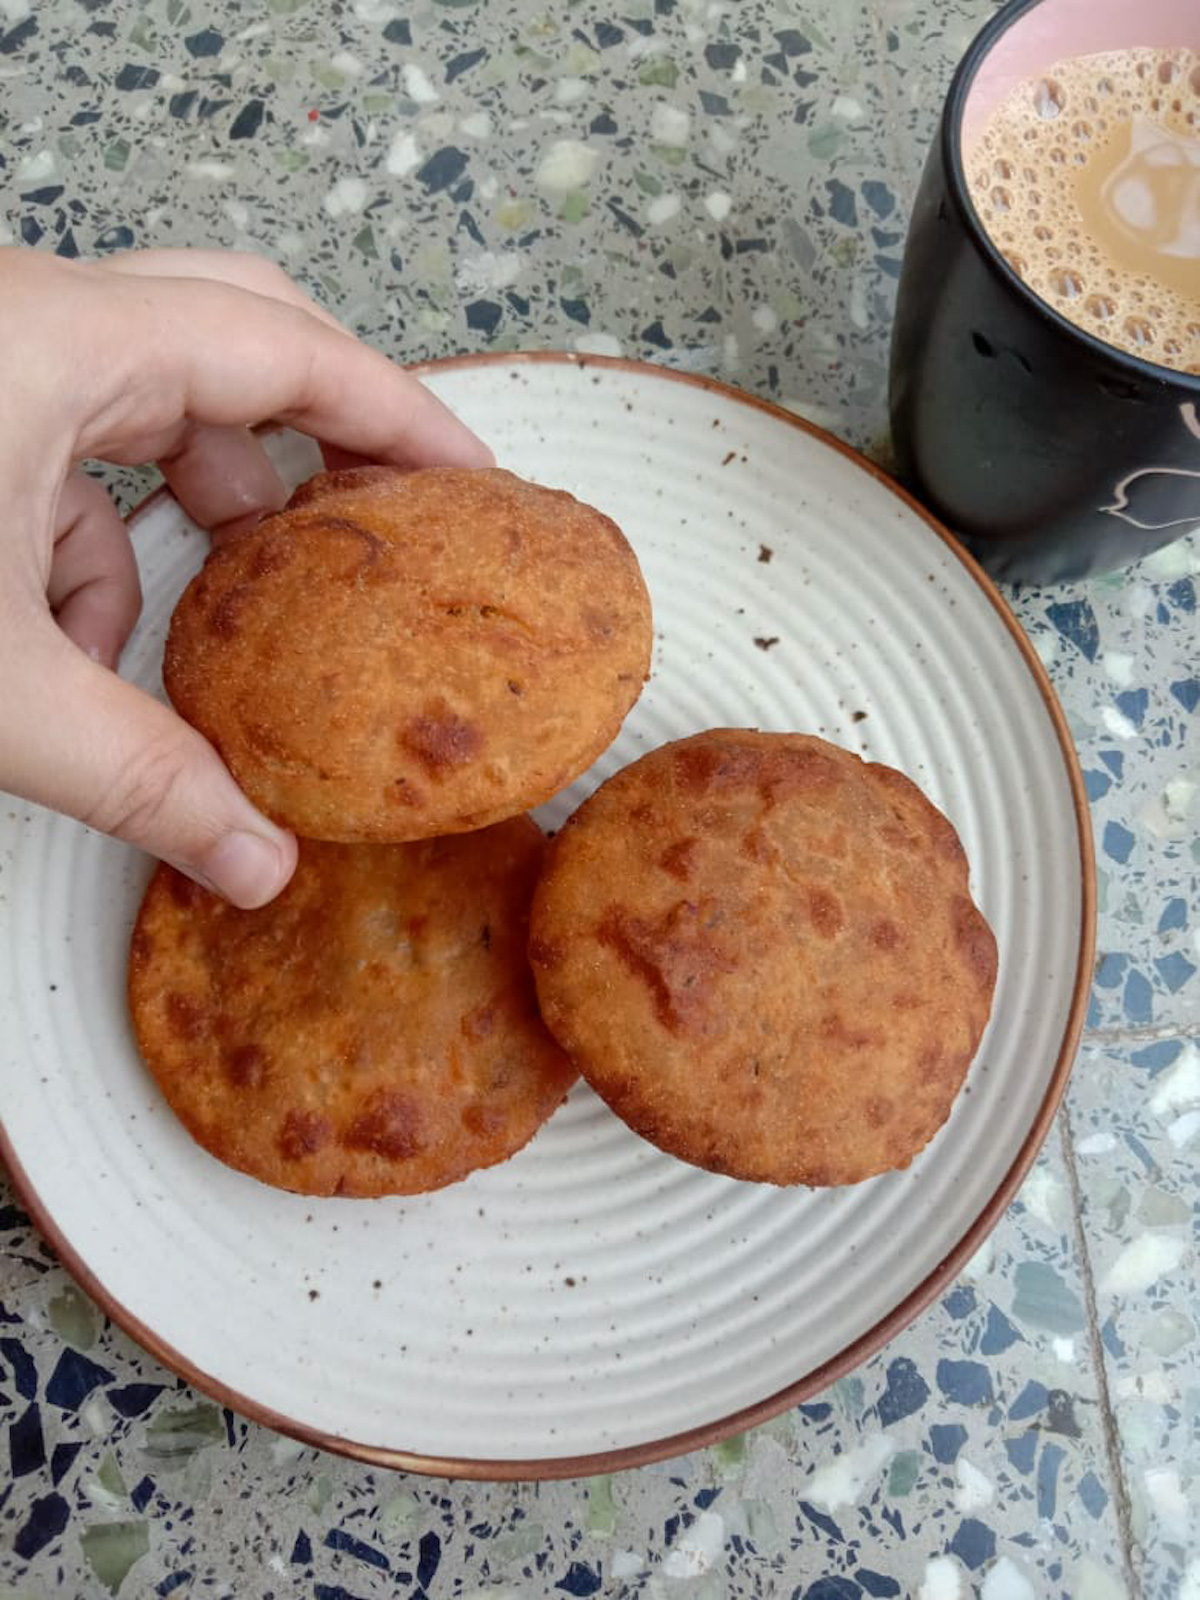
(868, 1343)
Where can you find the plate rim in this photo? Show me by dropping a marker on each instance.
(867, 1344)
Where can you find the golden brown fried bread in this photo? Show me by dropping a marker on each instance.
(372, 1031)
(763, 954)
(400, 655)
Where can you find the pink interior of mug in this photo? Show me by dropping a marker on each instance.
(1058, 28)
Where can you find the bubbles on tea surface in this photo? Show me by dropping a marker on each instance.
(1139, 332)
(1027, 172)
(1066, 283)
(1047, 99)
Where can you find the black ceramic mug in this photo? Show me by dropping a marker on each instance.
(1051, 452)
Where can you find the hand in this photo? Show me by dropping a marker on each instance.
(167, 356)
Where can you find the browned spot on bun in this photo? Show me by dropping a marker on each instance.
(808, 1012)
(184, 1017)
(270, 555)
(370, 548)
(696, 767)
(898, 837)
(185, 891)
(479, 1023)
(877, 1111)
(600, 625)
(441, 742)
(390, 1124)
(673, 956)
(523, 609)
(930, 1061)
(679, 859)
(835, 1029)
(225, 615)
(304, 1133)
(374, 1030)
(481, 1118)
(974, 938)
(245, 1065)
(404, 793)
(756, 846)
(825, 913)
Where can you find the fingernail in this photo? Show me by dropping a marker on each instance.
(245, 868)
(103, 655)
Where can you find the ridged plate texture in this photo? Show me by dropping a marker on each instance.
(590, 1296)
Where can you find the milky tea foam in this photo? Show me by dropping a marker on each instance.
(1087, 178)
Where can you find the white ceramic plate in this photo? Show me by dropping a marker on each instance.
(591, 1303)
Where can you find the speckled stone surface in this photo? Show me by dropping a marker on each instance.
(723, 187)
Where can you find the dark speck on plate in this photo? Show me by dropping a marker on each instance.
(730, 457)
(314, 1294)
(859, 716)
(765, 552)
(765, 644)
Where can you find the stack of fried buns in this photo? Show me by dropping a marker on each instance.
(761, 952)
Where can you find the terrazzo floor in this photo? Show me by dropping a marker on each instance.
(724, 188)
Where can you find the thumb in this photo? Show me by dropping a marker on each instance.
(75, 737)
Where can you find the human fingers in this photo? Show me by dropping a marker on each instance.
(81, 740)
(339, 460)
(93, 586)
(223, 478)
(241, 269)
(214, 354)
